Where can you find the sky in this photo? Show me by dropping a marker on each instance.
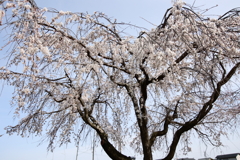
(142, 13)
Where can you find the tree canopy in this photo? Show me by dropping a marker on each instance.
(75, 73)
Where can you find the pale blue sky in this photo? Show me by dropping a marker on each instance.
(130, 11)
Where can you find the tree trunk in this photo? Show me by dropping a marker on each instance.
(147, 153)
(112, 152)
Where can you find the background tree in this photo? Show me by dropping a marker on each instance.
(77, 73)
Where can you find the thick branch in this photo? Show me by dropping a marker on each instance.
(168, 120)
(203, 112)
(178, 60)
(107, 146)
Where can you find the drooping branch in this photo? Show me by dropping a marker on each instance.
(33, 3)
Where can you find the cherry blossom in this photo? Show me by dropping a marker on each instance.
(76, 73)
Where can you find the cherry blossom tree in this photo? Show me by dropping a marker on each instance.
(75, 73)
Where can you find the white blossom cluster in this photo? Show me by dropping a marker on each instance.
(76, 69)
